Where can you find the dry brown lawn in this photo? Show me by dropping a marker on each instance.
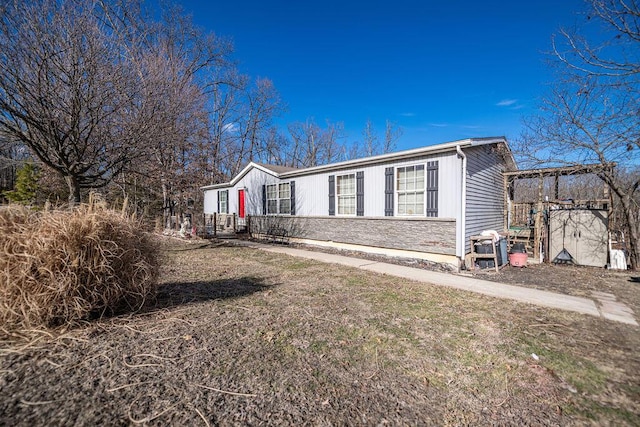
(242, 336)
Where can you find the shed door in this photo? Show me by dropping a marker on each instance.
(583, 233)
(241, 205)
(592, 237)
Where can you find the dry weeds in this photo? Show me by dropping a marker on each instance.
(61, 267)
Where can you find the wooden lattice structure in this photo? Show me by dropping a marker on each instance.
(524, 219)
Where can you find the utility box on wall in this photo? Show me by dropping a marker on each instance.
(582, 233)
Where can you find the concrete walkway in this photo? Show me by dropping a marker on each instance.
(608, 307)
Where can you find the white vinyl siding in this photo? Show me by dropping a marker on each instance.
(346, 194)
(311, 190)
(410, 190)
(252, 183)
(312, 193)
(485, 192)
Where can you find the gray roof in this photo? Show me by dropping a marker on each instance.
(288, 172)
(276, 168)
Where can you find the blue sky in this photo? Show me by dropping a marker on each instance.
(440, 70)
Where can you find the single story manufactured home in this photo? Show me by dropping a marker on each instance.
(422, 203)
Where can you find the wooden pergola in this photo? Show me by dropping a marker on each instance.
(541, 174)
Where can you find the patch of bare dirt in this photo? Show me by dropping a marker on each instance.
(239, 336)
(572, 280)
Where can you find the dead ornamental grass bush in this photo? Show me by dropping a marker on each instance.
(61, 267)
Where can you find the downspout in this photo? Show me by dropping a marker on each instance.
(463, 206)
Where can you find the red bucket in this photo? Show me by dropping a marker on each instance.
(518, 260)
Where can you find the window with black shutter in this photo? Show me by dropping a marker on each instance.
(293, 197)
(432, 189)
(332, 195)
(360, 193)
(388, 191)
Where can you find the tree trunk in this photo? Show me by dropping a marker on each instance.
(633, 237)
(74, 190)
(633, 248)
(166, 207)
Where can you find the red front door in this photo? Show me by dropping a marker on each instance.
(241, 203)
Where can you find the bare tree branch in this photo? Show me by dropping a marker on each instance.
(592, 113)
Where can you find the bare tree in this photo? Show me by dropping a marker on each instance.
(213, 119)
(305, 138)
(261, 103)
(332, 142)
(392, 134)
(223, 100)
(101, 93)
(241, 116)
(174, 65)
(615, 55)
(370, 138)
(370, 145)
(313, 145)
(65, 91)
(279, 149)
(591, 113)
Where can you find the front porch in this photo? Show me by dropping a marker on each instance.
(220, 225)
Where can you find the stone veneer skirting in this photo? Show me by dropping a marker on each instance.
(433, 235)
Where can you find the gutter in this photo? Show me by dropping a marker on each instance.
(463, 204)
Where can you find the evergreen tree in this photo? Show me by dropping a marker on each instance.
(26, 185)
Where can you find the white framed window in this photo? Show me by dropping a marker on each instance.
(284, 198)
(272, 199)
(223, 201)
(346, 194)
(279, 199)
(410, 190)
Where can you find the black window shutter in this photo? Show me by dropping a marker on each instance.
(432, 189)
(292, 186)
(218, 202)
(388, 191)
(264, 200)
(332, 195)
(360, 193)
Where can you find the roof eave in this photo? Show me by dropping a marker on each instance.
(215, 186)
(401, 155)
(506, 153)
(240, 175)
